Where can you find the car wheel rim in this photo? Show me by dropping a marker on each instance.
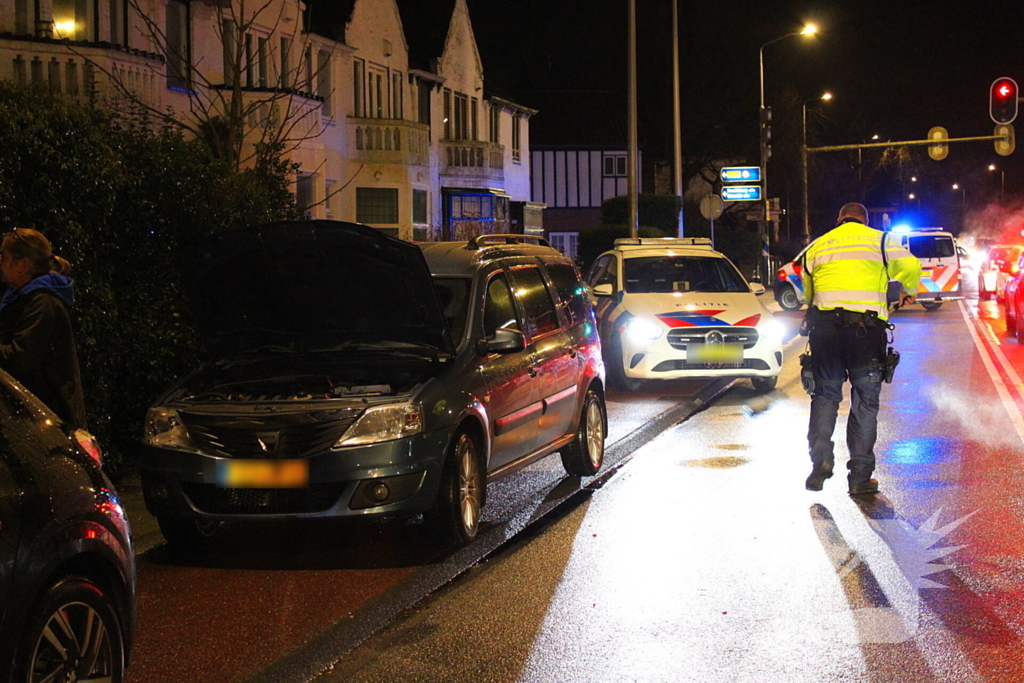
(789, 298)
(469, 487)
(74, 645)
(595, 432)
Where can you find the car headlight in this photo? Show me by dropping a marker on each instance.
(772, 330)
(165, 429)
(643, 330)
(384, 423)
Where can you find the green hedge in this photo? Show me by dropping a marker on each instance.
(120, 201)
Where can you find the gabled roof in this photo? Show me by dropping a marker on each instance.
(328, 18)
(426, 25)
(577, 118)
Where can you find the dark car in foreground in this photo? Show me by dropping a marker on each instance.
(67, 570)
(347, 381)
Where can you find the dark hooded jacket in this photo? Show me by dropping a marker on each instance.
(37, 345)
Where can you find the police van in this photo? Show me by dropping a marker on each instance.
(934, 247)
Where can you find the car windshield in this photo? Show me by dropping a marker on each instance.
(655, 274)
(453, 293)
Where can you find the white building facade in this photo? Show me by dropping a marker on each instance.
(415, 149)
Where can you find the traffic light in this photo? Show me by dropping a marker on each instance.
(1002, 100)
(766, 132)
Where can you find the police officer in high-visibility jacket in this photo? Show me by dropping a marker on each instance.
(846, 279)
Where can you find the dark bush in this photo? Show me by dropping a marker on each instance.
(121, 201)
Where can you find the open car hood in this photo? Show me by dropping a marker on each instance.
(313, 285)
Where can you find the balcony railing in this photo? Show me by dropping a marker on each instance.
(83, 70)
(389, 141)
(472, 159)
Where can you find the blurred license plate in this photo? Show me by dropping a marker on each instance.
(714, 353)
(262, 474)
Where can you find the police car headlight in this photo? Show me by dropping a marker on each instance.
(643, 330)
(772, 330)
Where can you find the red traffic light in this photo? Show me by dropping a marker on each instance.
(1002, 101)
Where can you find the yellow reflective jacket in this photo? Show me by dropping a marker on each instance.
(844, 268)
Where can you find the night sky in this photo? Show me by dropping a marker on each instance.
(895, 68)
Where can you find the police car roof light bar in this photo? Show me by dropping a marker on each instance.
(664, 241)
(487, 240)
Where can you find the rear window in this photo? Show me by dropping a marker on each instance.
(571, 291)
(932, 246)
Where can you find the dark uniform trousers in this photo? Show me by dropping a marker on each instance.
(846, 345)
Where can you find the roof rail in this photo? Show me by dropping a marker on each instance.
(664, 241)
(486, 240)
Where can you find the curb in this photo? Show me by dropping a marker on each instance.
(323, 651)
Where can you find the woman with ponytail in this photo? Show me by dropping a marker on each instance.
(36, 342)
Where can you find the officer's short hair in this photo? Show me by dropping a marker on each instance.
(854, 210)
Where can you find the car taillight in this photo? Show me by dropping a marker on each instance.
(87, 442)
(782, 276)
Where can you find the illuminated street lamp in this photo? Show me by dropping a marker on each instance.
(1002, 180)
(803, 162)
(963, 194)
(763, 120)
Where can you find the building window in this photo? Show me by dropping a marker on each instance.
(119, 22)
(419, 207)
(516, 151)
(228, 31)
(447, 114)
(264, 62)
(358, 88)
(24, 17)
(76, 19)
(286, 81)
(250, 62)
(614, 166)
(494, 124)
(423, 113)
(474, 108)
(324, 87)
(178, 50)
(376, 94)
(330, 199)
(305, 194)
(565, 242)
(377, 205)
(396, 95)
(461, 117)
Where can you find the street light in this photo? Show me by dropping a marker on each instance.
(807, 30)
(963, 194)
(803, 162)
(1002, 180)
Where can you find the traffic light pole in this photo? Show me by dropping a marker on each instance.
(904, 143)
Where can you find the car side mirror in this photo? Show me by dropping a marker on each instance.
(602, 290)
(757, 288)
(504, 341)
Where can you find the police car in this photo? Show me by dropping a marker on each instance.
(670, 308)
(940, 270)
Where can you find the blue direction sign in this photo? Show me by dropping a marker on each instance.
(741, 174)
(741, 193)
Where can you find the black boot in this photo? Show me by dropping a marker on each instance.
(819, 474)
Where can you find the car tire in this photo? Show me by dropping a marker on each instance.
(188, 533)
(1011, 322)
(788, 298)
(931, 305)
(47, 650)
(763, 385)
(584, 456)
(456, 513)
(615, 365)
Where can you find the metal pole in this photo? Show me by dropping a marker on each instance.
(761, 273)
(631, 174)
(803, 167)
(676, 106)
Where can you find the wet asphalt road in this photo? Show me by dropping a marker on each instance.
(705, 559)
(279, 603)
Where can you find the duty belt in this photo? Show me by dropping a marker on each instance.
(845, 318)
